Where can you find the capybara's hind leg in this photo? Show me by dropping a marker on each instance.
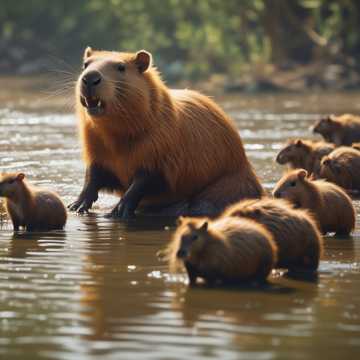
(227, 190)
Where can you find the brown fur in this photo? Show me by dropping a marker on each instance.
(30, 207)
(229, 250)
(182, 134)
(304, 154)
(295, 232)
(331, 206)
(356, 146)
(342, 167)
(340, 130)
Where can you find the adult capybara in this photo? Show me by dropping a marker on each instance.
(340, 130)
(342, 167)
(304, 154)
(31, 207)
(155, 146)
(226, 250)
(330, 205)
(295, 232)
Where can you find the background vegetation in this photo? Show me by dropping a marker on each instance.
(190, 38)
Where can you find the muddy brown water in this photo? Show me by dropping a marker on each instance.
(97, 290)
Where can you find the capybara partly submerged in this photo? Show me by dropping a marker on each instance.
(295, 232)
(226, 250)
(304, 154)
(330, 205)
(156, 147)
(340, 130)
(342, 167)
(30, 207)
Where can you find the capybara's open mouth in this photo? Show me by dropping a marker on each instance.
(93, 105)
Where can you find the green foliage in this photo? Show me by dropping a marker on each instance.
(190, 38)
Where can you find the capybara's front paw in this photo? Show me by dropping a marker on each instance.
(81, 205)
(121, 211)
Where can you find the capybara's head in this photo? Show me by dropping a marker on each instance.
(292, 186)
(326, 127)
(193, 238)
(110, 80)
(332, 170)
(295, 149)
(9, 184)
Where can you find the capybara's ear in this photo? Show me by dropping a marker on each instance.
(298, 142)
(20, 176)
(326, 161)
(88, 52)
(143, 60)
(179, 220)
(204, 226)
(302, 174)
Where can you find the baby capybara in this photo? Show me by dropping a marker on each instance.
(31, 207)
(226, 250)
(295, 232)
(340, 130)
(342, 167)
(304, 154)
(330, 205)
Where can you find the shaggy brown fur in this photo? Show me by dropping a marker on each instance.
(331, 206)
(228, 250)
(180, 134)
(304, 154)
(340, 130)
(342, 167)
(295, 232)
(30, 207)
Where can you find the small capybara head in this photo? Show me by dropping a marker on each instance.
(295, 149)
(326, 127)
(110, 79)
(332, 170)
(193, 238)
(291, 186)
(9, 184)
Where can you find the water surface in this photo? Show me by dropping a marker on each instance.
(97, 290)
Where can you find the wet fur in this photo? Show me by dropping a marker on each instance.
(30, 207)
(230, 251)
(330, 205)
(180, 134)
(300, 245)
(342, 167)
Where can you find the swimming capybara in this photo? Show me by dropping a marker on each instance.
(304, 154)
(154, 146)
(295, 232)
(342, 167)
(340, 130)
(226, 250)
(330, 205)
(31, 207)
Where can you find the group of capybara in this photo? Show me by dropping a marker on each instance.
(176, 153)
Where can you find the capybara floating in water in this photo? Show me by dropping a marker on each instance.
(226, 250)
(330, 205)
(295, 232)
(340, 130)
(342, 167)
(31, 207)
(304, 154)
(154, 146)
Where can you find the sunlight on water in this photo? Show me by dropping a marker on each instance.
(97, 289)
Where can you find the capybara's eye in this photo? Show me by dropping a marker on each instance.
(85, 65)
(194, 237)
(121, 67)
(292, 183)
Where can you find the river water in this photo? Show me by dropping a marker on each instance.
(97, 290)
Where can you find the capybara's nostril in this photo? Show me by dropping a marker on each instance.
(91, 78)
(181, 254)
